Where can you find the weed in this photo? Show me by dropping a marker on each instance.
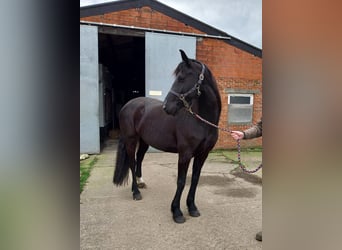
(85, 169)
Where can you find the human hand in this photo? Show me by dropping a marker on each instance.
(237, 135)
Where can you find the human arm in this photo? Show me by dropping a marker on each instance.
(252, 132)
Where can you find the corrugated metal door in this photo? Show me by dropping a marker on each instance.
(162, 57)
(89, 90)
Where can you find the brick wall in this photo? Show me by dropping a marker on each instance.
(233, 68)
(143, 17)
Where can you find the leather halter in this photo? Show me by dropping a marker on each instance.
(194, 88)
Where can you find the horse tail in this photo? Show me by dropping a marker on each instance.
(122, 165)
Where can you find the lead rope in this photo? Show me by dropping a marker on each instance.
(244, 169)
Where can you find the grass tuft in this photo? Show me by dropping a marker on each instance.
(85, 169)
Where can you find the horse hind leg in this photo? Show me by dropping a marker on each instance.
(140, 157)
(131, 146)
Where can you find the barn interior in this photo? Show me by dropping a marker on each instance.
(122, 71)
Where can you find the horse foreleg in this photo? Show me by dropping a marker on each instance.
(140, 157)
(177, 214)
(196, 172)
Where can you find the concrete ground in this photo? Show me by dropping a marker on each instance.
(230, 203)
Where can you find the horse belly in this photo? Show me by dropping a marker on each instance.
(161, 140)
(153, 125)
(159, 135)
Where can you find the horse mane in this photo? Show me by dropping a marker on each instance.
(214, 86)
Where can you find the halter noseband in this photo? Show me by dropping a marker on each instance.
(195, 87)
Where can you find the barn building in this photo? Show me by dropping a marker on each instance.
(130, 48)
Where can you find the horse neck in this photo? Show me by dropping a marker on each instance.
(209, 104)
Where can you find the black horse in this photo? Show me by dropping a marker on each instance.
(172, 127)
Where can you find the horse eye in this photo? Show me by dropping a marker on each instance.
(181, 78)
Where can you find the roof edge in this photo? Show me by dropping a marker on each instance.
(102, 8)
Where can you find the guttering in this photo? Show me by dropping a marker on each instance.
(156, 30)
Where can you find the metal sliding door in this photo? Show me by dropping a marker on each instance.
(162, 57)
(89, 90)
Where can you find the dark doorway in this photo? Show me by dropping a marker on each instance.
(124, 57)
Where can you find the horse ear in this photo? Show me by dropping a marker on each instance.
(185, 58)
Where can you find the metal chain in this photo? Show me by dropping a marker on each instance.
(244, 169)
(240, 163)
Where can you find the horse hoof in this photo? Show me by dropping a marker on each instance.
(137, 197)
(140, 182)
(194, 213)
(142, 185)
(179, 219)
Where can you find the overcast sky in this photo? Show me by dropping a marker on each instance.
(239, 18)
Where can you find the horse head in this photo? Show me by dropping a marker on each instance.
(189, 76)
